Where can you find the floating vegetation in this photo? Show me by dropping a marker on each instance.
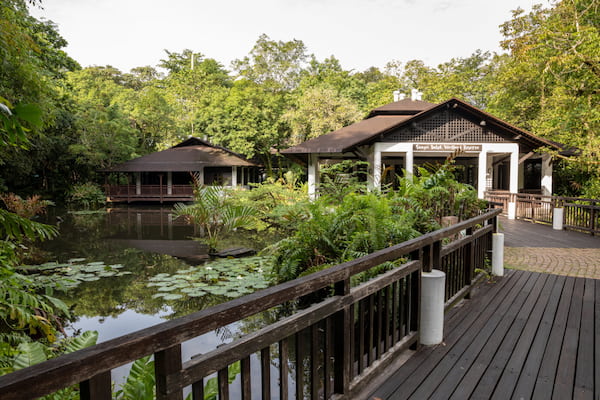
(231, 277)
(69, 275)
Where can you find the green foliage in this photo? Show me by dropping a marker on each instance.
(434, 193)
(214, 213)
(140, 383)
(279, 203)
(342, 178)
(87, 196)
(360, 224)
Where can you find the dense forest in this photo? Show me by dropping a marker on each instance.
(74, 121)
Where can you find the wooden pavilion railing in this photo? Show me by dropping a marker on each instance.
(580, 214)
(158, 192)
(330, 349)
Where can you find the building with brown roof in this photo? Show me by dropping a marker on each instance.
(492, 154)
(169, 175)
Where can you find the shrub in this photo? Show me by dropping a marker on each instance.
(86, 195)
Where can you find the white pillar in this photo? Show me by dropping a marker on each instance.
(546, 175)
(431, 327)
(513, 185)
(558, 218)
(498, 254)
(169, 182)
(313, 175)
(489, 172)
(376, 169)
(138, 183)
(481, 174)
(233, 176)
(409, 162)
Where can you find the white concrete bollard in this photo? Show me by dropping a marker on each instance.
(512, 210)
(498, 254)
(558, 218)
(432, 307)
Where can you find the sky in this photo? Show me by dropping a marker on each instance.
(360, 33)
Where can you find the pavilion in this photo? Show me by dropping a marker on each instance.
(399, 136)
(169, 175)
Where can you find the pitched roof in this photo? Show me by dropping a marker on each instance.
(189, 155)
(349, 136)
(368, 130)
(402, 107)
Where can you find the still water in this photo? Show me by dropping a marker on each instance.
(147, 241)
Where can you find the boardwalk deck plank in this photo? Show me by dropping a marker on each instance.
(471, 379)
(543, 385)
(526, 380)
(488, 337)
(460, 321)
(565, 375)
(470, 325)
(597, 342)
(420, 386)
(530, 336)
(584, 375)
(504, 341)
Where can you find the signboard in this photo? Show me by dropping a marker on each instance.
(447, 147)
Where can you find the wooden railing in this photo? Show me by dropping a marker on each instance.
(579, 213)
(160, 192)
(331, 348)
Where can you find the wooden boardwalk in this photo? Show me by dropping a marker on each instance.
(527, 336)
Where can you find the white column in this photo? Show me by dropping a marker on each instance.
(546, 175)
(513, 186)
(138, 183)
(169, 182)
(489, 174)
(409, 162)
(233, 176)
(376, 184)
(481, 174)
(498, 254)
(431, 326)
(313, 175)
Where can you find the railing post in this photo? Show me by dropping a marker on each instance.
(98, 387)
(342, 326)
(469, 262)
(167, 363)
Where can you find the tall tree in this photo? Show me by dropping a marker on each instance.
(275, 64)
(550, 81)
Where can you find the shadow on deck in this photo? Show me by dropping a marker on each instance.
(529, 335)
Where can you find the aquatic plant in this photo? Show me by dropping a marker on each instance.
(232, 277)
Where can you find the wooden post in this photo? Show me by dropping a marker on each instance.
(98, 387)
(160, 187)
(166, 364)
(343, 324)
(469, 262)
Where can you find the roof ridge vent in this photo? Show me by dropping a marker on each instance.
(415, 94)
(399, 96)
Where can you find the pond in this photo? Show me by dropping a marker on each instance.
(160, 272)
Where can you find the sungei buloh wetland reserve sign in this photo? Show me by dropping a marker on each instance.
(471, 148)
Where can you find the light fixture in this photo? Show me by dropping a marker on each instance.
(482, 123)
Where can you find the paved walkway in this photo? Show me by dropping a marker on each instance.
(539, 248)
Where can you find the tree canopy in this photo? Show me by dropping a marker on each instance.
(546, 81)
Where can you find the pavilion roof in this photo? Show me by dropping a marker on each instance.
(383, 120)
(188, 155)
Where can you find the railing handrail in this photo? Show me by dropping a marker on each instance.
(79, 366)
